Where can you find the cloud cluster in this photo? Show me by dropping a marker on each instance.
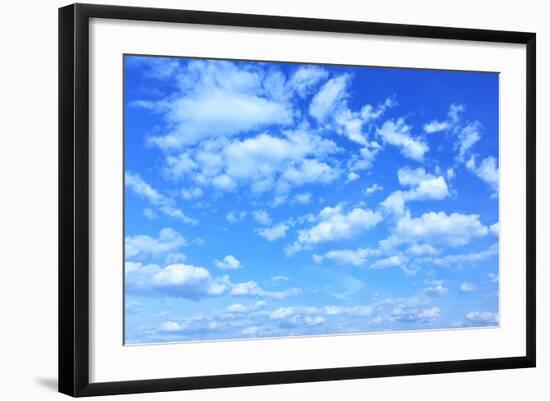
(191, 282)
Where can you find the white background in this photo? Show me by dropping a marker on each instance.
(28, 201)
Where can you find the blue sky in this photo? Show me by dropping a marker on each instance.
(282, 199)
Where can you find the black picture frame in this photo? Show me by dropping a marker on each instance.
(74, 199)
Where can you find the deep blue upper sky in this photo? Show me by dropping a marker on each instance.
(277, 199)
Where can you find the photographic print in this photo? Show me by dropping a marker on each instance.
(272, 199)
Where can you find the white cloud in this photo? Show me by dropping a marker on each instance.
(252, 289)
(177, 214)
(306, 78)
(224, 182)
(390, 261)
(143, 245)
(178, 280)
(436, 288)
(251, 331)
(394, 203)
(208, 94)
(193, 282)
(467, 137)
(330, 108)
(262, 217)
(133, 306)
(314, 321)
(459, 259)
(482, 318)
(363, 160)
(467, 287)
(352, 177)
(175, 257)
(495, 229)
(488, 171)
(143, 189)
(172, 326)
(229, 262)
(150, 213)
(493, 278)
(422, 250)
(435, 228)
(450, 173)
(164, 204)
(187, 280)
(302, 198)
(267, 162)
(424, 186)
(455, 111)
(191, 193)
(274, 233)
(328, 97)
(335, 225)
(436, 126)
(177, 166)
(397, 133)
(242, 308)
(357, 257)
(373, 188)
(237, 308)
(411, 313)
(309, 171)
(454, 116)
(234, 217)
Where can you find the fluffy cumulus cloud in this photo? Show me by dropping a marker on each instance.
(422, 186)
(178, 280)
(274, 233)
(267, 162)
(207, 97)
(192, 282)
(437, 228)
(335, 224)
(229, 262)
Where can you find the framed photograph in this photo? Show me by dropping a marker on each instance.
(250, 199)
